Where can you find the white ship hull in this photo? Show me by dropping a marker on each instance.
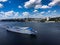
(24, 30)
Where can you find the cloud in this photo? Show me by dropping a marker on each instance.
(26, 14)
(1, 5)
(32, 3)
(37, 4)
(3, 0)
(54, 2)
(44, 6)
(54, 11)
(19, 6)
(49, 11)
(37, 15)
(42, 12)
(12, 14)
(35, 11)
(9, 14)
(1, 14)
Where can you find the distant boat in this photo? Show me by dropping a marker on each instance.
(23, 30)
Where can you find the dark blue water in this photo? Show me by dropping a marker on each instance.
(48, 34)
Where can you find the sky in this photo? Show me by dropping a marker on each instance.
(29, 8)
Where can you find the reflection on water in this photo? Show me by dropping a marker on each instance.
(48, 34)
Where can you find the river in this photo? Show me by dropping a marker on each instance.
(48, 34)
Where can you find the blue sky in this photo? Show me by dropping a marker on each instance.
(31, 8)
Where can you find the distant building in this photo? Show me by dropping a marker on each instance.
(47, 19)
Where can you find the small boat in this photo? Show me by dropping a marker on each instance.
(23, 30)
